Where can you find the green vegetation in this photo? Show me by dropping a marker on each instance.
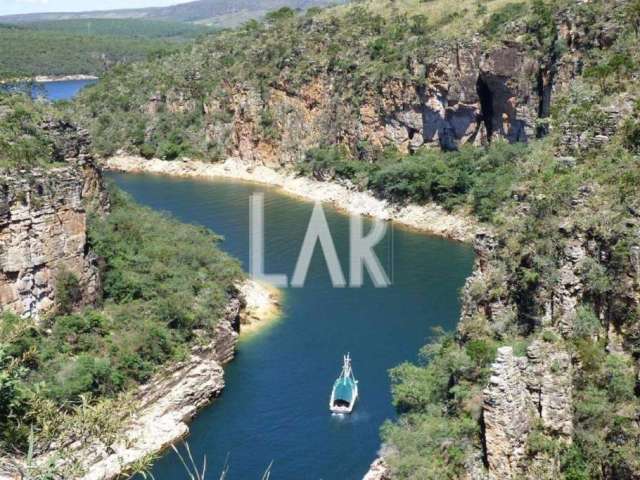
(361, 47)
(580, 183)
(31, 52)
(569, 201)
(478, 178)
(22, 142)
(546, 205)
(163, 282)
(125, 27)
(435, 413)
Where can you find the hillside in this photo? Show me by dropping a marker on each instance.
(221, 13)
(526, 114)
(67, 48)
(131, 28)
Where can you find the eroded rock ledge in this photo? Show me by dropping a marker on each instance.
(173, 398)
(524, 394)
(378, 471)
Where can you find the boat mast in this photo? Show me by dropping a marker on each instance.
(346, 368)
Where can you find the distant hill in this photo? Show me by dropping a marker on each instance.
(71, 47)
(125, 27)
(223, 13)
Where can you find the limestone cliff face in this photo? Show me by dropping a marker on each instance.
(166, 405)
(43, 228)
(463, 95)
(378, 471)
(467, 92)
(524, 394)
(532, 394)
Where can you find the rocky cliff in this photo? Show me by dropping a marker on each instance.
(269, 94)
(468, 91)
(525, 394)
(43, 216)
(465, 95)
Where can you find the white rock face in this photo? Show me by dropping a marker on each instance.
(507, 412)
(172, 401)
(378, 471)
(164, 406)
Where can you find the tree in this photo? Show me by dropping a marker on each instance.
(279, 15)
(633, 15)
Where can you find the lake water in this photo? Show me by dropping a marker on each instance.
(59, 90)
(275, 405)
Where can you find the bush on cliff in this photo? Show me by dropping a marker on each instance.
(553, 206)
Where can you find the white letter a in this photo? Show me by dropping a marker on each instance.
(318, 230)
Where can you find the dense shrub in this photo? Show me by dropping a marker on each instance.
(68, 291)
(23, 144)
(480, 178)
(61, 50)
(506, 14)
(425, 426)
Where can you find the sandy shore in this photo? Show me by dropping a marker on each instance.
(264, 302)
(429, 218)
(47, 79)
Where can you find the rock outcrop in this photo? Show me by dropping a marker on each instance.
(461, 95)
(378, 471)
(525, 394)
(507, 409)
(43, 216)
(167, 404)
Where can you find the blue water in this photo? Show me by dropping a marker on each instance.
(275, 405)
(59, 90)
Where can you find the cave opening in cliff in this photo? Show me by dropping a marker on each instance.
(486, 106)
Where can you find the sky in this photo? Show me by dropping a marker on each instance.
(10, 7)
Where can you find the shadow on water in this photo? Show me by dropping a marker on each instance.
(275, 405)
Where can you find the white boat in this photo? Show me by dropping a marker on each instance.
(345, 389)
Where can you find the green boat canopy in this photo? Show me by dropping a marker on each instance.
(344, 389)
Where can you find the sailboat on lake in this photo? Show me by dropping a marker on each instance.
(345, 389)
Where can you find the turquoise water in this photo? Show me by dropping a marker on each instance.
(61, 90)
(275, 405)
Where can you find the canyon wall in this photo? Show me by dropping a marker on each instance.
(530, 399)
(43, 216)
(165, 405)
(464, 96)
(464, 92)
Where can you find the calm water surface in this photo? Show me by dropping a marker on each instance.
(275, 405)
(59, 90)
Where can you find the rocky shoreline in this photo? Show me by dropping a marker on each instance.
(49, 79)
(167, 403)
(429, 218)
(176, 395)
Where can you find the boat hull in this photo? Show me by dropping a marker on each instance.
(343, 409)
(345, 390)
